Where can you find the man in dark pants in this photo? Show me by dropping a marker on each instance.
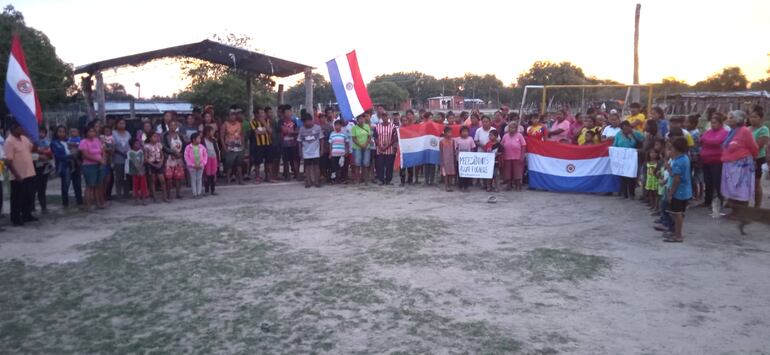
(18, 156)
(386, 139)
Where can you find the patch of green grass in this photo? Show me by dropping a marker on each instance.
(175, 286)
(474, 337)
(545, 264)
(264, 213)
(397, 240)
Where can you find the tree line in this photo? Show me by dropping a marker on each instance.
(221, 86)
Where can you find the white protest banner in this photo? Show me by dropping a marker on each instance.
(623, 161)
(476, 165)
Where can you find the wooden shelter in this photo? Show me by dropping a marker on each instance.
(211, 51)
(696, 102)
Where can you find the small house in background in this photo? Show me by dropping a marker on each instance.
(697, 102)
(446, 103)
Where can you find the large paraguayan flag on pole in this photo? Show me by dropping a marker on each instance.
(348, 86)
(20, 96)
(569, 168)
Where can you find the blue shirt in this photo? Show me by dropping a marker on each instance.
(663, 128)
(628, 142)
(681, 167)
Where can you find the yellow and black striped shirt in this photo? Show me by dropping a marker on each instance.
(263, 134)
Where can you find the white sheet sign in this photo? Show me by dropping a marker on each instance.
(623, 161)
(476, 165)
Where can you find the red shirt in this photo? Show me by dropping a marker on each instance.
(538, 132)
(742, 145)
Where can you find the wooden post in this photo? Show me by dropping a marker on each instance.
(85, 85)
(280, 94)
(309, 91)
(100, 97)
(250, 96)
(131, 109)
(636, 94)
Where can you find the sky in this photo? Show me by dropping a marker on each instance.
(689, 40)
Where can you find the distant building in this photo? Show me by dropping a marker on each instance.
(473, 104)
(446, 103)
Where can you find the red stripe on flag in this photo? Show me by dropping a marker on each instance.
(358, 82)
(17, 52)
(567, 151)
(421, 129)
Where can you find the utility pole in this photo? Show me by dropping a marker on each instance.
(635, 97)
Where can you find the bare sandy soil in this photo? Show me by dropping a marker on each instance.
(347, 269)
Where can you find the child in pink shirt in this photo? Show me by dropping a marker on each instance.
(514, 148)
(464, 143)
(196, 157)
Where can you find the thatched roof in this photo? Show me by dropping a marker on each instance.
(207, 50)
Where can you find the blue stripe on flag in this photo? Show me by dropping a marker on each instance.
(339, 90)
(422, 157)
(594, 183)
(22, 114)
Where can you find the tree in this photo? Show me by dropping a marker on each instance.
(730, 79)
(420, 86)
(116, 91)
(387, 93)
(549, 73)
(763, 84)
(51, 76)
(228, 90)
(671, 85)
(322, 92)
(222, 86)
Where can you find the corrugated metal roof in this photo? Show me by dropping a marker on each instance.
(146, 108)
(210, 51)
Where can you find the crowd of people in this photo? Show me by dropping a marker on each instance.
(712, 157)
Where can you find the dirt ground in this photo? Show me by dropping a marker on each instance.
(350, 269)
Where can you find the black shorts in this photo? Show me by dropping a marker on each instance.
(153, 170)
(313, 161)
(290, 153)
(758, 169)
(677, 206)
(275, 153)
(261, 155)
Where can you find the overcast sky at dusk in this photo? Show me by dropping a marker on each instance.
(686, 39)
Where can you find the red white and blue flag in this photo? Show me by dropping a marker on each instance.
(20, 96)
(418, 143)
(348, 86)
(569, 168)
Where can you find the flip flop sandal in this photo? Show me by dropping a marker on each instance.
(492, 199)
(673, 240)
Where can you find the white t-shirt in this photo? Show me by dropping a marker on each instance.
(610, 131)
(482, 136)
(374, 120)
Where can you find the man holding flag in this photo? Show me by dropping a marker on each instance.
(22, 102)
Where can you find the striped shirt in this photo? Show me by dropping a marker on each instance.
(386, 135)
(262, 133)
(337, 141)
